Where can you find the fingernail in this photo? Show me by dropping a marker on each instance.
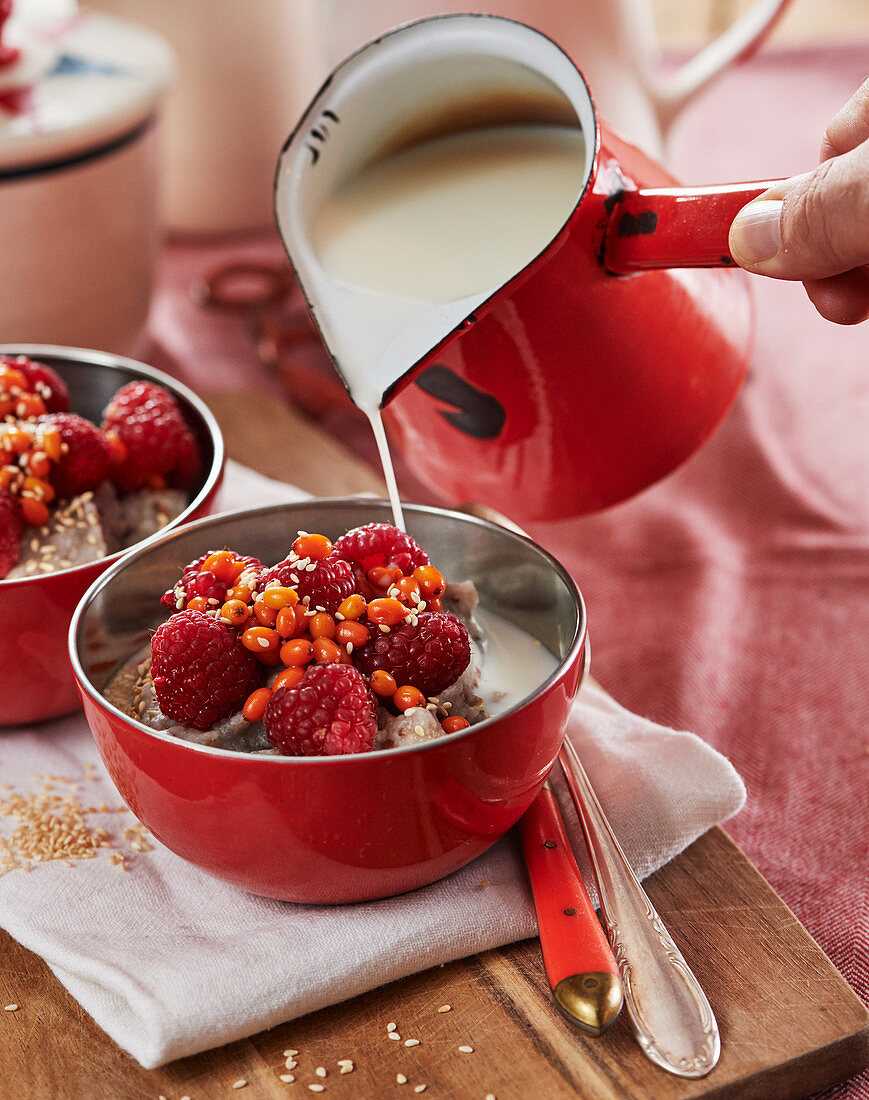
(755, 235)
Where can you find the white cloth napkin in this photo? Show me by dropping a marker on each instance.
(169, 961)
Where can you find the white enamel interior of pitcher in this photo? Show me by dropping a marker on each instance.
(453, 76)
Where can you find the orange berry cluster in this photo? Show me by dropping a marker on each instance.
(27, 452)
(282, 630)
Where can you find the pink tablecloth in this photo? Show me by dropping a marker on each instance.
(733, 598)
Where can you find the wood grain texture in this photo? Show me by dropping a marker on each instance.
(790, 1023)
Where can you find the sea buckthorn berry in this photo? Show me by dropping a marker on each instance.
(454, 723)
(17, 441)
(52, 443)
(279, 597)
(352, 632)
(198, 603)
(315, 547)
(239, 592)
(297, 651)
(12, 379)
(29, 405)
(353, 607)
(255, 704)
(260, 640)
(407, 697)
(434, 604)
(39, 464)
(224, 565)
(430, 580)
(384, 576)
(326, 650)
(289, 677)
(38, 489)
(407, 590)
(382, 683)
(236, 612)
(321, 625)
(264, 614)
(287, 623)
(387, 612)
(34, 512)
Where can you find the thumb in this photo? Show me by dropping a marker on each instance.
(811, 226)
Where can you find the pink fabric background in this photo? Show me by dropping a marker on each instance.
(733, 598)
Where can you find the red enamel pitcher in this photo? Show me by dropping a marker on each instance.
(593, 371)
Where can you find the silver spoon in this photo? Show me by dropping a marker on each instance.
(670, 1015)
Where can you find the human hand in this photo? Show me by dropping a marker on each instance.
(815, 227)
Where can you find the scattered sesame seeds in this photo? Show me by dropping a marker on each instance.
(11, 1008)
(401, 1079)
(391, 1026)
(420, 1088)
(466, 1050)
(346, 1065)
(321, 1071)
(317, 1088)
(393, 1035)
(290, 1064)
(411, 1042)
(290, 1053)
(287, 1078)
(445, 1008)
(239, 1084)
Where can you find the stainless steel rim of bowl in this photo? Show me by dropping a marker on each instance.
(103, 359)
(573, 651)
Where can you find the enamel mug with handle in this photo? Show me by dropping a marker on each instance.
(598, 364)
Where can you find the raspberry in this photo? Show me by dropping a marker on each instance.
(10, 533)
(380, 544)
(156, 439)
(330, 712)
(200, 669)
(196, 582)
(43, 380)
(86, 458)
(430, 656)
(326, 585)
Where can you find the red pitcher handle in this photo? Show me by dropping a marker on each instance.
(675, 226)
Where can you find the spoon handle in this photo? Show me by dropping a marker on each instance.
(672, 1020)
(580, 967)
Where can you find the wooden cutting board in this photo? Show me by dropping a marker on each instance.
(790, 1024)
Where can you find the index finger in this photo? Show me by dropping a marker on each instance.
(850, 127)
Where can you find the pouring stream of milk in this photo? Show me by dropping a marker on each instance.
(451, 219)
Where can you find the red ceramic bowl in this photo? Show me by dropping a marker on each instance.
(35, 679)
(346, 828)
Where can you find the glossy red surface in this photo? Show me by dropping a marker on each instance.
(338, 829)
(585, 387)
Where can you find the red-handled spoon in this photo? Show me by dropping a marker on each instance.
(580, 967)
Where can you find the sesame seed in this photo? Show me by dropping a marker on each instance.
(393, 1035)
(239, 1084)
(290, 1064)
(391, 1027)
(346, 1065)
(11, 1008)
(401, 1079)
(445, 1008)
(349, 648)
(411, 1042)
(466, 1050)
(320, 1071)
(317, 1088)
(290, 1053)
(263, 643)
(490, 1096)
(420, 1088)
(287, 1078)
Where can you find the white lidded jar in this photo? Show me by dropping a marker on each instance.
(79, 218)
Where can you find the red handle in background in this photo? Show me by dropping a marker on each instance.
(580, 966)
(675, 226)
